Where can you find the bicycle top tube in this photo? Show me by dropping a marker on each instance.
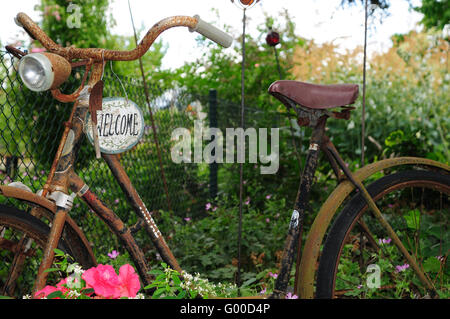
(99, 54)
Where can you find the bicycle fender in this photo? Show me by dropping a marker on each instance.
(84, 250)
(322, 221)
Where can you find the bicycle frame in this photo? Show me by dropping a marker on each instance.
(62, 178)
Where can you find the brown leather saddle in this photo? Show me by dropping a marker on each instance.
(316, 98)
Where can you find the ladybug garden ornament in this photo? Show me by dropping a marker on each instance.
(272, 38)
(245, 4)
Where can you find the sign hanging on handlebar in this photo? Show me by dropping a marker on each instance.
(120, 125)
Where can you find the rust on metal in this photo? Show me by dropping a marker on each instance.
(15, 247)
(102, 54)
(115, 224)
(66, 98)
(140, 209)
(14, 192)
(310, 254)
(379, 216)
(47, 208)
(62, 177)
(95, 104)
(325, 146)
(20, 254)
(49, 251)
(61, 68)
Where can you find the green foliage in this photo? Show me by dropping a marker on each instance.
(80, 23)
(220, 68)
(169, 284)
(436, 12)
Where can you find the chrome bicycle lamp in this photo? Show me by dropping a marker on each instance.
(43, 71)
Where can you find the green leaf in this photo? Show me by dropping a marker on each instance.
(55, 294)
(160, 277)
(158, 292)
(412, 219)
(155, 272)
(51, 269)
(248, 282)
(88, 291)
(193, 294)
(58, 252)
(181, 295)
(5, 297)
(394, 138)
(432, 264)
(176, 280)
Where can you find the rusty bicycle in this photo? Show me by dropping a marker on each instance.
(406, 201)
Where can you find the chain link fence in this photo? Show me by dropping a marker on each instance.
(31, 125)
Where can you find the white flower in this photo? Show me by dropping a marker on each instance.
(75, 268)
(73, 294)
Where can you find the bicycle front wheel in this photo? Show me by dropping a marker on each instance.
(22, 241)
(359, 260)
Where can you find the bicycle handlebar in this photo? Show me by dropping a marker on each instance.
(193, 23)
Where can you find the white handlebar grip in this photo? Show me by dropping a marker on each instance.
(212, 33)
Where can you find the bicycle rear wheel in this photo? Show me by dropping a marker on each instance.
(359, 260)
(22, 241)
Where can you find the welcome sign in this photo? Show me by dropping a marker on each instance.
(120, 125)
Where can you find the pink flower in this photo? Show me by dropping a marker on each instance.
(214, 209)
(271, 274)
(268, 196)
(384, 240)
(46, 291)
(56, 15)
(247, 201)
(104, 280)
(187, 219)
(262, 292)
(62, 285)
(401, 268)
(113, 254)
(267, 220)
(116, 201)
(208, 206)
(129, 283)
(291, 296)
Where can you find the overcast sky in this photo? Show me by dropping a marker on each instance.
(321, 20)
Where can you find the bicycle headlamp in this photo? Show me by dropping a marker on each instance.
(43, 71)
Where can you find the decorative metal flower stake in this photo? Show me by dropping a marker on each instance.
(272, 39)
(244, 5)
